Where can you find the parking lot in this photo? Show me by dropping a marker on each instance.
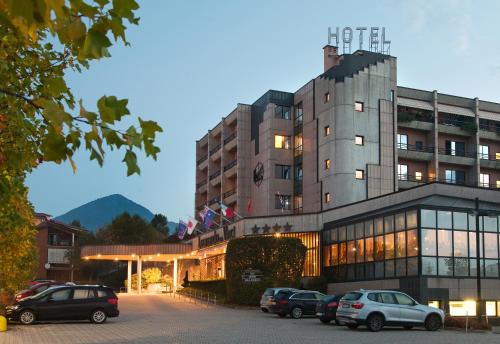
(162, 319)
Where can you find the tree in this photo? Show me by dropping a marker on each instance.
(127, 229)
(160, 223)
(40, 119)
(76, 223)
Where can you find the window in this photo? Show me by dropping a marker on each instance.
(327, 130)
(402, 141)
(484, 180)
(60, 295)
(387, 298)
(418, 175)
(402, 299)
(497, 156)
(444, 242)
(299, 110)
(402, 172)
(429, 266)
(419, 146)
(359, 106)
(282, 112)
(283, 172)
(283, 202)
(282, 142)
(103, 293)
(298, 203)
(462, 308)
(360, 174)
(455, 148)
(79, 294)
(429, 242)
(498, 184)
(484, 152)
(298, 147)
(298, 172)
(328, 197)
(326, 99)
(454, 177)
(327, 164)
(491, 310)
(359, 140)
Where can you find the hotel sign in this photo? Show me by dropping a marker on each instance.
(377, 39)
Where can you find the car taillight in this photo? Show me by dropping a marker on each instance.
(357, 305)
(113, 301)
(332, 304)
(283, 302)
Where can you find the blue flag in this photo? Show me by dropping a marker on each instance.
(181, 229)
(208, 218)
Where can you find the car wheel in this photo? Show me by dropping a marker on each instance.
(98, 316)
(265, 310)
(325, 320)
(27, 317)
(297, 313)
(352, 326)
(433, 322)
(375, 322)
(282, 315)
(408, 327)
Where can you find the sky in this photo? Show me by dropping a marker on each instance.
(191, 62)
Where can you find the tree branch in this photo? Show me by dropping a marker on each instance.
(20, 96)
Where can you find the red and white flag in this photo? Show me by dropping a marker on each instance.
(226, 211)
(191, 225)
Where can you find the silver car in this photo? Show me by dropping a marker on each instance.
(266, 300)
(376, 308)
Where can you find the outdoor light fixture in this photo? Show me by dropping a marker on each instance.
(150, 257)
(99, 255)
(157, 254)
(133, 255)
(86, 258)
(116, 259)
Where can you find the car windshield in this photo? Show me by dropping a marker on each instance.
(44, 293)
(329, 298)
(352, 296)
(269, 292)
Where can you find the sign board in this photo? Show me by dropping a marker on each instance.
(377, 39)
(251, 275)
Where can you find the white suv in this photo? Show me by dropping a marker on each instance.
(376, 308)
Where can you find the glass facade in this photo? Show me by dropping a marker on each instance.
(311, 242)
(381, 247)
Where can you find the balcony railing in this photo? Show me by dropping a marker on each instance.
(200, 184)
(230, 138)
(215, 175)
(215, 149)
(491, 157)
(200, 160)
(230, 165)
(456, 152)
(412, 178)
(408, 116)
(463, 124)
(492, 126)
(415, 148)
(228, 193)
(428, 180)
(214, 200)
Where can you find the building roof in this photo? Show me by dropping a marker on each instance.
(351, 64)
(51, 223)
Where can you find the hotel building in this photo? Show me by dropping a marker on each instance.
(378, 180)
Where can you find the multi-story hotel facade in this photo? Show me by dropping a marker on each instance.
(379, 181)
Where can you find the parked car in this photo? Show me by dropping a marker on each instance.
(36, 288)
(326, 308)
(95, 303)
(377, 308)
(296, 303)
(266, 300)
(39, 280)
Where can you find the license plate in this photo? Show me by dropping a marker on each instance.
(346, 306)
(319, 314)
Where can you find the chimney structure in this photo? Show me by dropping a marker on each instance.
(330, 56)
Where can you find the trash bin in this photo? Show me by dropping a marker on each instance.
(3, 324)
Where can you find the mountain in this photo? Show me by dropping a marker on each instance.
(102, 211)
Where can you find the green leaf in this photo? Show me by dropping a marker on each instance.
(151, 149)
(56, 86)
(131, 160)
(91, 117)
(53, 147)
(112, 138)
(112, 109)
(76, 30)
(125, 8)
(94, 155)
(55, 115)
(95, 46)
(133, 137)
(149, 128)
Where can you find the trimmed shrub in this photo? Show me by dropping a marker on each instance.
(316, 283)
(460, 322)
(279, 262)
(216, 287)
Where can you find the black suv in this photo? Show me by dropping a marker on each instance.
(79, 302)
(326, 308)
(296, 303)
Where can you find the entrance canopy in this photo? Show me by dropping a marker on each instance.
(147, 252)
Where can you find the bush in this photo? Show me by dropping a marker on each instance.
(279, 261)
(150, 276)
(460, 322)
(316, 283)
(215, 287)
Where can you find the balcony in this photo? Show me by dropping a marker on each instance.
(489, 130)
(456, 126)
(457, 157)
(201, 187)
(58, 256)
(215, 153)
(215, 178)
(419, 121)
(214, 203)
(230, 169)
(229, 196)
(490, 161)
(229, 138)
(412, 152)
(202, 162)
(406, 181)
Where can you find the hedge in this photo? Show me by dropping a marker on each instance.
(280, 262)
(215, 287)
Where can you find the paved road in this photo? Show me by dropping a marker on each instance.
(161, 319)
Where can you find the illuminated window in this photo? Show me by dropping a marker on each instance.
(359, 106)
(433, 303)
(491, 309)
(402, 172)
(327, 164)
(484, 180)
(359, 140)
(402, 141)
(497, 156)
(484, 152)
(498, 184)
(418, 176)
(462, 308)
(328, 197)
(327, 97)
(282, 142)
(327, 130)
(360, 174)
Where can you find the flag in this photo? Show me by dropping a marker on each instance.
(249, 207)
(181, 229)
(192, 223)
(202, 215)
(208, 217)
(226, 211)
